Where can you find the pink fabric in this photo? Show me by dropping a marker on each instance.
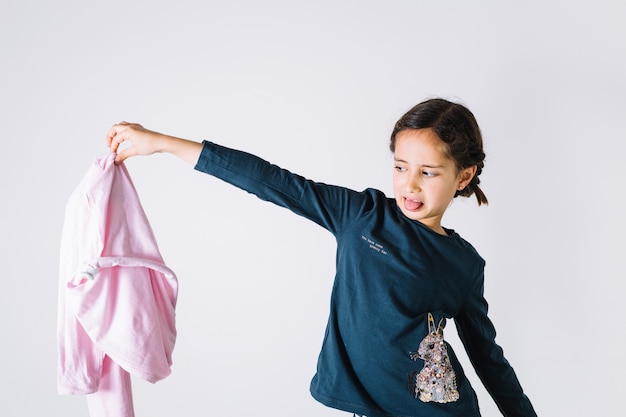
(117, 299)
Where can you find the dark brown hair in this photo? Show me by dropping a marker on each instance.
(456, 126)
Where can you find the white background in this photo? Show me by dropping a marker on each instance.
(316, 87)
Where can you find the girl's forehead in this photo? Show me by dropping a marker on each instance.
(420, 144)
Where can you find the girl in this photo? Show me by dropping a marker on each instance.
(399, 272)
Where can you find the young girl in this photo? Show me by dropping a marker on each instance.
(399, 272)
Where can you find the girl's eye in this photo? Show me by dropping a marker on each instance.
(429, 174)
(400, 169)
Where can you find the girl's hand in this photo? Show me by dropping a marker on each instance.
(143, 141)
(146, 142)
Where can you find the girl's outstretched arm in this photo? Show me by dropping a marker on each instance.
(147, 142)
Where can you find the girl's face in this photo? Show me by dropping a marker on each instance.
(425, 179)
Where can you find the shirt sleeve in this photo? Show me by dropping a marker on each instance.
(329, 206)
(478, 334)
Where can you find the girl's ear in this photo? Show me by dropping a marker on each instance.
(465, 176)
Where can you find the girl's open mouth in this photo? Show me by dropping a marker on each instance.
(412, 205)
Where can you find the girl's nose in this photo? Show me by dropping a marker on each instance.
(413, 184)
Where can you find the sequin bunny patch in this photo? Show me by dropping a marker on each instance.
(437, 380)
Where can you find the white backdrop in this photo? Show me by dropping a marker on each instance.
(316, 87)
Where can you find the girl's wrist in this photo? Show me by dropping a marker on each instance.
(167, 144)
(185, 149)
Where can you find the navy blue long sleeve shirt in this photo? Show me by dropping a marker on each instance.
(391, 272)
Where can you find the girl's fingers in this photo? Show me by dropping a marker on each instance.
(113, 137)
(121, 156)
(117, 134)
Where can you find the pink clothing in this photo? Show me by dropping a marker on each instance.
(117, 299)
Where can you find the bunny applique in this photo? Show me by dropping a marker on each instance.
(437, 380)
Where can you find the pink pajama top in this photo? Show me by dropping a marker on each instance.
(117, 298)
